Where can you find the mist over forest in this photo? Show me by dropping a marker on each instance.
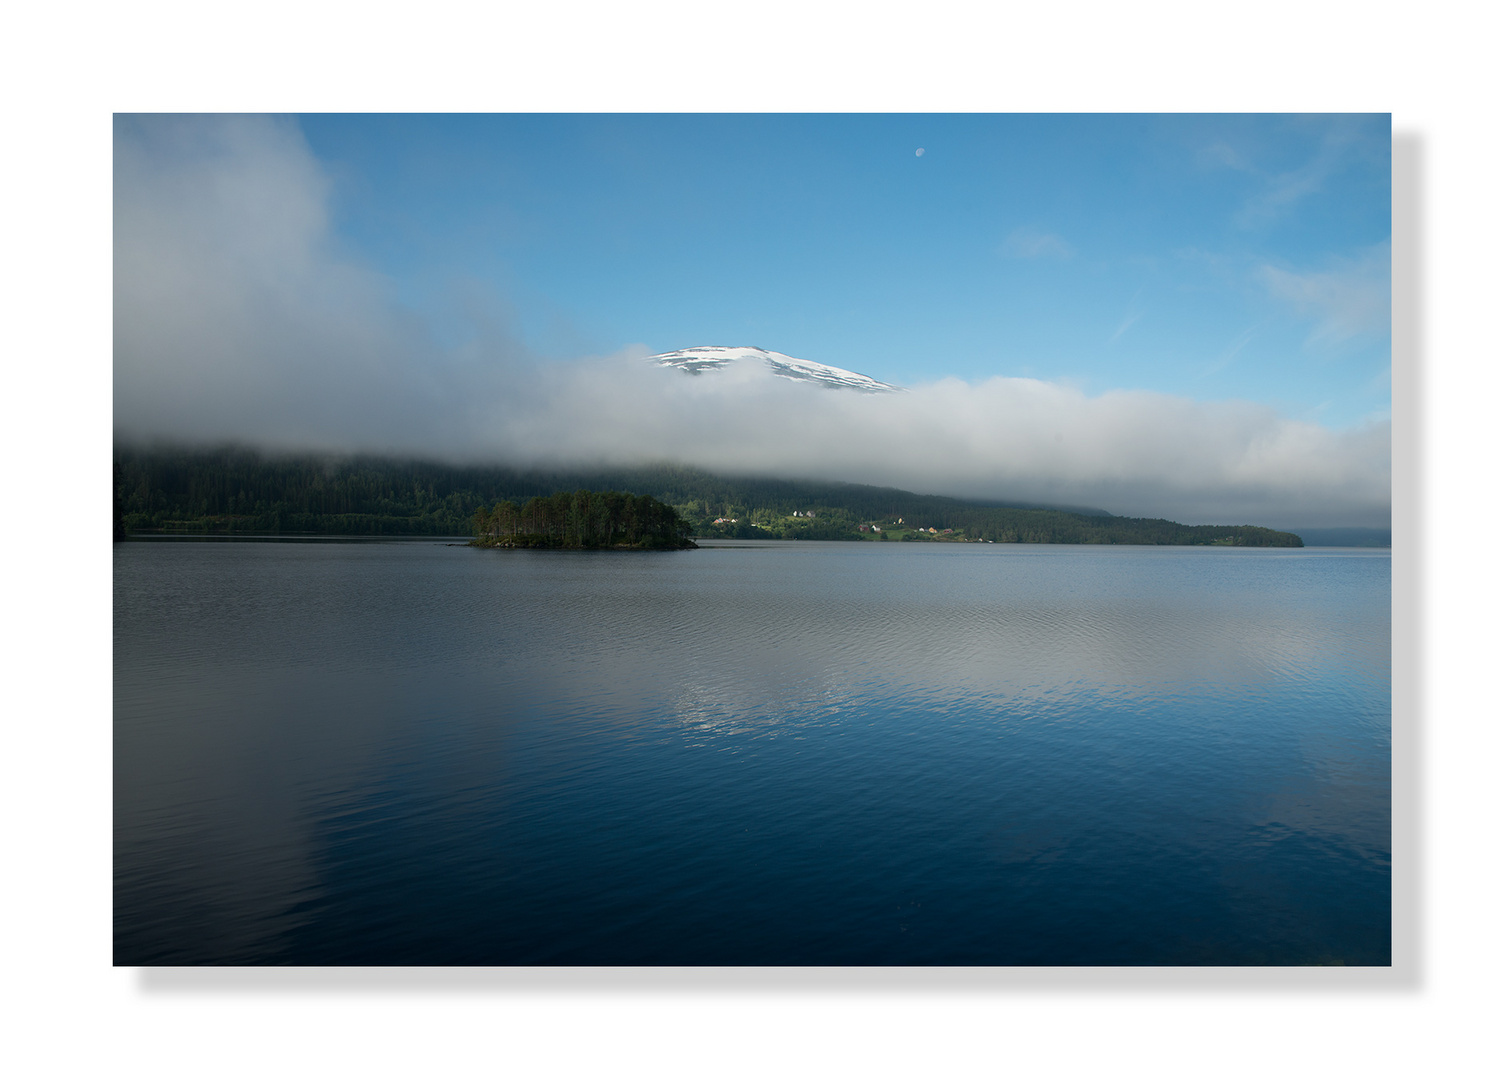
(235, 491)
(240, 318)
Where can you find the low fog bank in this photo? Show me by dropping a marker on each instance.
(1132, 453)
(1020, 440)
(237, 319)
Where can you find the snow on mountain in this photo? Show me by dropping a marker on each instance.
(712, 357)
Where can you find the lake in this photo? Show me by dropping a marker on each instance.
(414, 752)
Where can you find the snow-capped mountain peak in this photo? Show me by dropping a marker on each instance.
(704, 358)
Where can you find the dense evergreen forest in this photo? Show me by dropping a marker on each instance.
(583, 519)
(160, 490)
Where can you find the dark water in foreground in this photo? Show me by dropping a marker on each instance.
(411, 753)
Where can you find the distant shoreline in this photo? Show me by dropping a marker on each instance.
(228, 491)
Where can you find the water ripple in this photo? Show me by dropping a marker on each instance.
(799, 753)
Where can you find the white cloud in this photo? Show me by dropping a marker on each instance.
(1127, 451)
(1230, 354)
(1349, 298)
(1282, 191)
(236, 319)
(1131, 316)
(1221, 154)
(1028, 243)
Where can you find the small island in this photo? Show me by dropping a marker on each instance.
(583, 520)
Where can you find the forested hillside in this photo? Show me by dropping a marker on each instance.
(229, 490)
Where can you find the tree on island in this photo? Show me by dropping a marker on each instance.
(583, 520)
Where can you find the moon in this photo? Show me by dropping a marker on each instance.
(920, 152)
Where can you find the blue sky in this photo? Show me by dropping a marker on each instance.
(1182, 317)
(1212, 257)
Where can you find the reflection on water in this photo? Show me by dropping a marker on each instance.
(788, 753)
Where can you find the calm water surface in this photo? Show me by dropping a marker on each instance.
(788, 753)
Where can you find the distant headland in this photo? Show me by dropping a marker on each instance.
(237, 491)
